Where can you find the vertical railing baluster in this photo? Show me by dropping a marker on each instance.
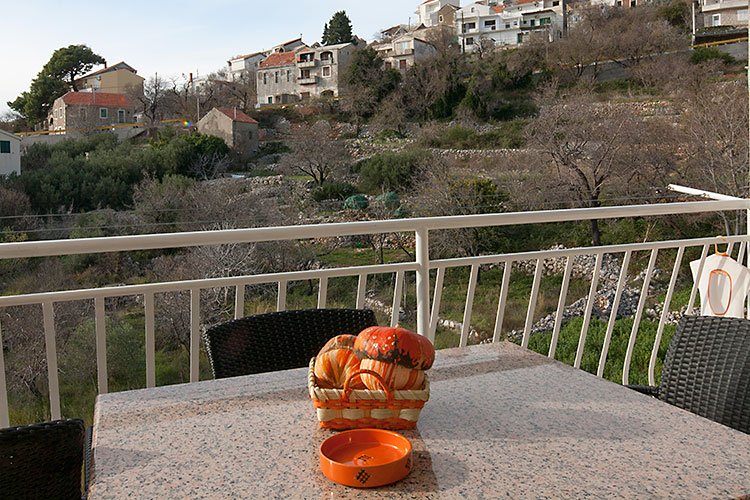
(664, 314)
(613, 312)
(436, 298)
(195, 319)
(148, 301)
(239, 301)
(101, 345)
(637, 318)
(281, 296)
(48, 313)
(501, 301)
(469, 305)
(322, 292)
(396, 306)
(4, 413)
(587, 313)
(560, 306)
(423, 282)
(532, 304)
(696, 279)
(361, 290)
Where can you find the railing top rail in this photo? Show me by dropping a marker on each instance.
(253, 235)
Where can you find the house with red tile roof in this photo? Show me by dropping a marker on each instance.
(238, 130)
(91, 109)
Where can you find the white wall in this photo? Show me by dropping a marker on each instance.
(10, 162)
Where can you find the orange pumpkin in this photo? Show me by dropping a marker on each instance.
(395, 345)
(396, 377)
(335, 361)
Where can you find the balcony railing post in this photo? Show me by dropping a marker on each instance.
(423, 283)
(4, 419)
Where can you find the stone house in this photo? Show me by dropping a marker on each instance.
(10, 153)
(403, 51)
(277, 79)
(428, 11)
(120, 78)
(238, 130)
(319, 69)
(86, 110)
(245, 64)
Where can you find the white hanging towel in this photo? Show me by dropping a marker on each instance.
(723, 286)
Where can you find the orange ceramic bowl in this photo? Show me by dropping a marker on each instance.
(364, 458)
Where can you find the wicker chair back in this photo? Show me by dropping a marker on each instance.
(42, 460)
(707, 369)
(278, 340)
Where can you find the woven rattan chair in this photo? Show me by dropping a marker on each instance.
(707, 370)
(42, 460)
(278, 340)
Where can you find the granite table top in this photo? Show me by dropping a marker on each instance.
(501, 422)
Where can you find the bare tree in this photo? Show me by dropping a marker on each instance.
(315, 152)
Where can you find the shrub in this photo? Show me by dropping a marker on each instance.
(507, 135)
(703, 54)
(333, 191)
(389, 171)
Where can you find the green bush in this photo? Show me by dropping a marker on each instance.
(390, 171)
(703, 54)
(356, 202)
(507, 135)
(333, 191)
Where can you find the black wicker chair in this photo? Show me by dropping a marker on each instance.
(707, 370)
(278, 340)
(42, 460)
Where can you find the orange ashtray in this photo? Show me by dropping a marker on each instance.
(365, 458)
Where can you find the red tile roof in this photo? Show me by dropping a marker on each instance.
(526, 1)
(100, 99)
(278, 59)
(498, 8)
(237, 115)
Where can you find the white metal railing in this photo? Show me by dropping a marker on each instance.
(427, 317)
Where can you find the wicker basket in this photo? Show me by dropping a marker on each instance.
(357, 408)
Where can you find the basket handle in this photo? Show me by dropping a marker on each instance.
(348, 389)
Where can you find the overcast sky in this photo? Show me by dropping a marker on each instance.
(169, 37)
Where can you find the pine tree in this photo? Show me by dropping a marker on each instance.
(338, 29)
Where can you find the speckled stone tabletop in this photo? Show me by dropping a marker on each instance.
(501, 422)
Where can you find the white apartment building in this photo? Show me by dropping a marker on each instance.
(488, 23)
(428, 11)
(724, 12)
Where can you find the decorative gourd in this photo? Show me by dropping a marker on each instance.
(335, 361)
(395, 345)
(398, 355)
(397, 377)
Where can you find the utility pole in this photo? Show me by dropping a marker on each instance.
(565, 18)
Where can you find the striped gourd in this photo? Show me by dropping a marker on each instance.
(334, 363)
(395, 376)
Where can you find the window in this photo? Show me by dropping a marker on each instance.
(440, 19)
(288, 76)
(265, 78)
(716, 20)
(276, 77)
(632, 3)
(402, 47)
(402, 64)
(556, 3)
(102, 113)
(520, 38)
(82, 113)
(388, 66)
(5, 147)
(531, 23)
(305, 73)
(469, 41)
(270, 100)
(327, 57)
(490, 25)
(507, 26)
(120, 116)
(742, 15)
(469, 26)
(326, 71)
